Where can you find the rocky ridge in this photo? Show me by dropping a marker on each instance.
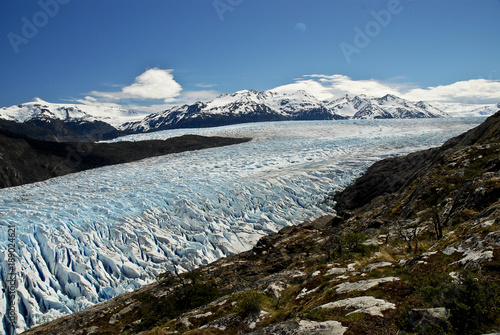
(414, 249)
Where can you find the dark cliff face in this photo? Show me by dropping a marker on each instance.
(392, 176)
(385, 177)
(25, 160)
(62, 131)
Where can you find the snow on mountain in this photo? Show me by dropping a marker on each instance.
(38, 109)
(86, 237)
(282, 103)
(240, 107)
(254, 106)
(346, 105)
(466, 110)
(387, 107)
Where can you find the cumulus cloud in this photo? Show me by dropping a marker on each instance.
(326, 87)
(156, 90)
(186, 97)
(471, 91)
(149, 87)
(153, 84)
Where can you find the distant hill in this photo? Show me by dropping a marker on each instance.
(25, 160)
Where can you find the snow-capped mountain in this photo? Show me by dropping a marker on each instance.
(65, 122)
(387, 107)
(74, 122)
(43, 110)
(254, 106)
(240, 107)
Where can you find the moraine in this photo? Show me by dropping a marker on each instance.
(86, 237)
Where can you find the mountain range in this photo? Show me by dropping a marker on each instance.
(76, 122)
(253, 106)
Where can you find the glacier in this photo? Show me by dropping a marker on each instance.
(87, 237)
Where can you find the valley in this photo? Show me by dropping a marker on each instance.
(84, 238)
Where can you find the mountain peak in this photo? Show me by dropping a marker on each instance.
(38, 100)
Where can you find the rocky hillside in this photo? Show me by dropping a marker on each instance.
(25, 160)
(414, 249)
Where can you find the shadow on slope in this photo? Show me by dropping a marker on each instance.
(25, 160)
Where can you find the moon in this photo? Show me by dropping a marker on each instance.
(301, 27)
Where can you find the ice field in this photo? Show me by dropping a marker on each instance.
(86, 237)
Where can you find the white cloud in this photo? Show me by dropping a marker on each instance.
(159, 84)
(301, 27)
(194, 96)
(205, 85)
(149, 87)
(325, 87)
(311, 86)
(153, 84)
(186, 97)
(92, 101)
(472, 91)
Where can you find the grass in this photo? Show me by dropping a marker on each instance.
(249, 302)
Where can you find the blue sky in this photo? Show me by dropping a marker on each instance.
(160, 52)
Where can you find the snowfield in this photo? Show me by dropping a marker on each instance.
(87, 237)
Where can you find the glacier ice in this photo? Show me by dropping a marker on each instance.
(87, 237)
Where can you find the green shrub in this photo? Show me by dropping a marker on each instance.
(473, 304)
(249, 302)
(156, 310)
(352, 241)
